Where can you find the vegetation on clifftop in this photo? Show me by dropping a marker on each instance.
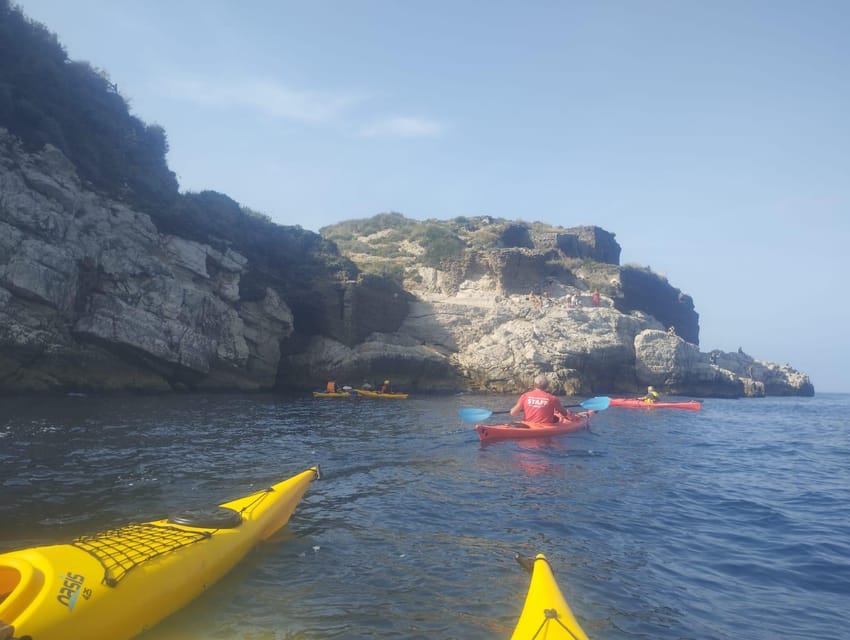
(47, 98)
(392, 245)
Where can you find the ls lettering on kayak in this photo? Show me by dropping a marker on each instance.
(70, 590)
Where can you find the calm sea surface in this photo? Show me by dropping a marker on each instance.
(732, 522)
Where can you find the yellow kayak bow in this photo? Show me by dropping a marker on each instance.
(545, 614)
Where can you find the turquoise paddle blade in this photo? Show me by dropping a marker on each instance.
(474, 415)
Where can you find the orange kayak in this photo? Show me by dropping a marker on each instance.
(523, 429)
(635, 403)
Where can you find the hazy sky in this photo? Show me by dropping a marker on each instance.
(713, 137)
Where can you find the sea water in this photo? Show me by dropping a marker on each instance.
(730, 522)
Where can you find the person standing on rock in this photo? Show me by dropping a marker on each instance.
(538, 405)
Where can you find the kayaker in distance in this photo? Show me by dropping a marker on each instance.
(538, 405)
(385, 388)
(332, 387)
(651, 395)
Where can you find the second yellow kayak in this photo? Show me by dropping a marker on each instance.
(364, 393)
(545, 614)
(334, 394)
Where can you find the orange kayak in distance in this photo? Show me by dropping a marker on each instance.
(635, 403)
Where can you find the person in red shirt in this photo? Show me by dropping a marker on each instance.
(538, 405)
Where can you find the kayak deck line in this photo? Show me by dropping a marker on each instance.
(120, 550)
(548, 616)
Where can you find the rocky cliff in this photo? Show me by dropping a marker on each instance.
(110, 279)
(96, 295)
(513, 299)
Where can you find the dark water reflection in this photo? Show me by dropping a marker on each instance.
(729, 523)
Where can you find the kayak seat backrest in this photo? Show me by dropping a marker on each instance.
(9, 580)
(20, 584)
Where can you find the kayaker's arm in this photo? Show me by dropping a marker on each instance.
(516, 409)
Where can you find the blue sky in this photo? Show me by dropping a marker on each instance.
(713, 138)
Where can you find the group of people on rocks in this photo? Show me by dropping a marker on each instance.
(574, 299)
(571, 300)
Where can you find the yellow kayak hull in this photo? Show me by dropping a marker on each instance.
(334, 394)
(365, 393)
(546, 614)
(119, 583)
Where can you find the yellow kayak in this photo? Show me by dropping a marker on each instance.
(545, 614)
(377, 394)
(116, 584)
(334, 394)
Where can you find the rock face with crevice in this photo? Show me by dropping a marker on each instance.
(93, 296)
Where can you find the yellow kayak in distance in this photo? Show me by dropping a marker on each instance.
(334, 394)
(365, 393)
(545, 614)
(118, 583)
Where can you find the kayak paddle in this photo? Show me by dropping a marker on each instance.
(599, 403)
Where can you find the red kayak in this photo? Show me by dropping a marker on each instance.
(636, 403)
(522, 429)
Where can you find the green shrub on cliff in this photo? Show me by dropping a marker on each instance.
(47, 98)
(439, 244)
(349, 229)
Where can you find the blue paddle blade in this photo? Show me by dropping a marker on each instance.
(600, 403)
(474, 415)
